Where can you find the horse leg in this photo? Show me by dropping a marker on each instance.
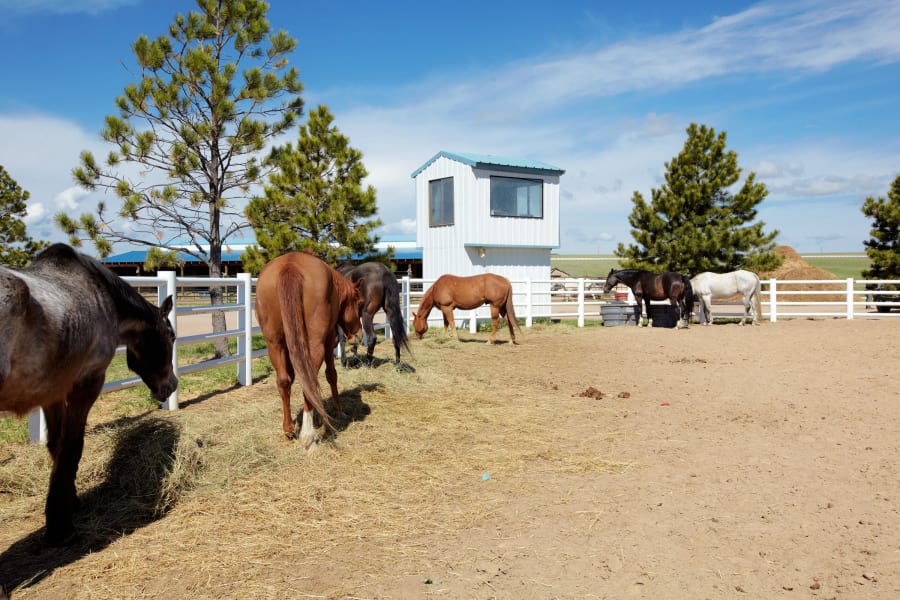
(509, 323)
(284, 379)
(638, 321)
(342, 346)
(706, 307)
(307, 435)
(65, 431)
(679, 306)
(495, 323)
(747, 308)
(449, 322)
(369, 329)
(331, 377)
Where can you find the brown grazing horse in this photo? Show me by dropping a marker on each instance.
(450, 292)
(61, 320)
(647, 286)
(380, 290)
(300, 301)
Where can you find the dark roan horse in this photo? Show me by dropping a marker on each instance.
(450, 292)
(61, 320)
(380, 291)
(300, 301)
(647, 286)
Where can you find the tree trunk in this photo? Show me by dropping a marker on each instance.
(216, 294)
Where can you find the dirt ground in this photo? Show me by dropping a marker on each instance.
(744, 462)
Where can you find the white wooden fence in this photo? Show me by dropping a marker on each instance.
(579, 299)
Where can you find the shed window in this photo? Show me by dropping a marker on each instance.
(516, 197)
(440, 200)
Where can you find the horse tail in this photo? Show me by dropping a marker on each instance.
(688, 298)
(296, 337)
(511, 310)
(395, 315)
(757, 301)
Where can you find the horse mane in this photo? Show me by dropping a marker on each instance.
(427, 303)
(345, 288)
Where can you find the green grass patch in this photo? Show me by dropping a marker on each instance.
(852, 266)
(587, 266)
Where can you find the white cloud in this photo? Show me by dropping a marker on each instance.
(34, 212)
(61, 7)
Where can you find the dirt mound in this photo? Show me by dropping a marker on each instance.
(795, 267)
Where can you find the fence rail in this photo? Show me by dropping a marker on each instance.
(580, 299)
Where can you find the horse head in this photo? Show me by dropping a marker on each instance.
(612, 280)
(420, 323)
(149, 352)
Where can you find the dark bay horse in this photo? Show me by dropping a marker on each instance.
(647, 286)
(380, 290)
(300, 301)
(450, 292)
(61, 320)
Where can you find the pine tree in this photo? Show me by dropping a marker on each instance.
(883, 248)
(211, 94)
(16, 248)
(694, 223)
(314, 200)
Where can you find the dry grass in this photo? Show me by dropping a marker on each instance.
(215, 487)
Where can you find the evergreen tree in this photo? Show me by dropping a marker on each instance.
(694, 223)
(211, 94)
(16, 248)
(883, 248)
(314, 200)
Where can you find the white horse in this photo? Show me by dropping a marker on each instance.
(724, 285)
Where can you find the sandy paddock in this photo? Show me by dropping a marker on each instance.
(713, 462)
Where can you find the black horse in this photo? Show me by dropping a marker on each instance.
(380, 290)
(647, 286)
(61, 320)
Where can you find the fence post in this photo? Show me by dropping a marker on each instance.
(581, 301)
(529, 319)
(404, 300)
(245, 323)
(37, 426)
(169, 288)
(773, 293)
(849, 298)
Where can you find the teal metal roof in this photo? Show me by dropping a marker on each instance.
(494, 163)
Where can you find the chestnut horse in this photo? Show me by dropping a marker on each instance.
(450, 292)
(300, 301)
(61, 320)
(647, 286)
(380, 290)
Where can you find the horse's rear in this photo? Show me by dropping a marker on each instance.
(300, 300)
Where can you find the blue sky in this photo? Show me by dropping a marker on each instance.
(808, 93)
